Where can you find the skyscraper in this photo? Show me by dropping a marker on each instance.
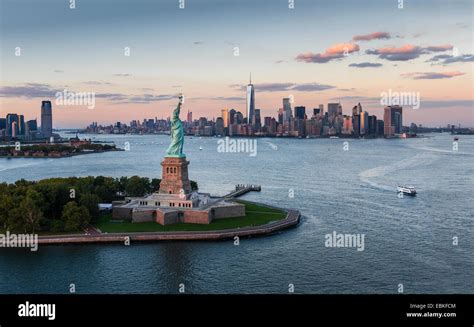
(21, 125)
(190, 117)
(364, 123)
(393, 122)
(31, 125)
(372, 125)
(334, 109)
(232, 116)
(257, 119)
(12, 118)
(220, 126)
(280, 116)
(250, 101)
(300, 112)
(225, 117)
(46, 118)
(14, 128)
(286, 109)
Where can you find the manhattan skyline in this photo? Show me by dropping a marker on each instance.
(298, 52)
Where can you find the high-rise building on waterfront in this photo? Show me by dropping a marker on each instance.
(300, 112)
(232, 116)
(225, 117)
(189, 117)
(280, 116)
(379, 129)
(356, 125)
(372, 125)
(257, 119)
(286, 109)
(21, 125)
(364, 123)
(250, 101)
(334, 109)
(12, 129)
(356, 119)
(3, 124)
(46, 119)
(239, 118)
(347, 125)
(393, 121)
(32, 125)
(220, 126)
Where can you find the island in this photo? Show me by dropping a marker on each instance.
(55, 150)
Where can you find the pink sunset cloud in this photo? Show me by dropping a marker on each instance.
(407, 51)
(432, 75)
(336, 51)
(371, 36)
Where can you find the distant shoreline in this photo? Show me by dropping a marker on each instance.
(59, 157)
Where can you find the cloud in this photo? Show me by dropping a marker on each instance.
(176, 86)
(29, 90)
(122, 75)
(198, 42)
(308, 87)
(274, 87)
(445, 59)
(432, 75)
(356, 98)
(406, 52)
(335, 52)
(220, 98)
(147, 98)
(96, 83)
(278, 87)
(439, 48)
(371, 36)
(120, 98)
(366, 64)
(58, 71)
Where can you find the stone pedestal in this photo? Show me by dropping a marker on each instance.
(175, 178)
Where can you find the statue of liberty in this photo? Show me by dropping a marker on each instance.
(175, 150)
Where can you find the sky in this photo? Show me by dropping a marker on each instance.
(317, 52)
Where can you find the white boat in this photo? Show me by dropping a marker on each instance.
(408, 190)
(200, 148)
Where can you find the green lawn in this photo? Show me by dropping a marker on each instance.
(256, 215)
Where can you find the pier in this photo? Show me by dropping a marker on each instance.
(241, 189)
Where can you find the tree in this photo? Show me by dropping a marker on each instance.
(91, 202)
(6, 205)
(74, 216)
(137, 186)
(155, 184)
(31, 208)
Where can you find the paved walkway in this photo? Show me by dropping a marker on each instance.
(292, 219)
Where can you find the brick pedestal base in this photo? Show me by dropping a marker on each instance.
(175, 178)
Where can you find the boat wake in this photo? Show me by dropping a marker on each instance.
(12, 166)
(436, 150)
(368, 176)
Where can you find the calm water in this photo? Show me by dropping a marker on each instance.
(407, 240)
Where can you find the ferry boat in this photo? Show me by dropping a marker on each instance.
(408, 190)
